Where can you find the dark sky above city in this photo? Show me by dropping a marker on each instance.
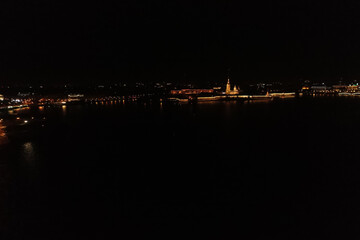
(132, 40)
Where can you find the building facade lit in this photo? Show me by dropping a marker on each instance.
(75, 97)
(191, 91)
(228, 90)
(352, 88)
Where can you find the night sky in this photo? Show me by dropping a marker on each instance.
(179, 41)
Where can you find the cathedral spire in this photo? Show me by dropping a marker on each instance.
(227, 91)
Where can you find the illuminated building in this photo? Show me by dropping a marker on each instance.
(339, 88)
(75, 97)
(352, 88)
(346, 88)
(25, 94)
(228, 90)
(304, 88)
(319, 88)
(191, 91)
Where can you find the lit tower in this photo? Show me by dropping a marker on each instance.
(227, 91)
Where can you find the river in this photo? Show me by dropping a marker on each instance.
(284, 169)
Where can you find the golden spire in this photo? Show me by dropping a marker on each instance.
(227, 91)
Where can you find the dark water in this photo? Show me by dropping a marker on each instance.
(268, 170)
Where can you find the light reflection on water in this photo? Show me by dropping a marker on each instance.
(63, 107)
(3, 137)
(30, 157)
(28, 152)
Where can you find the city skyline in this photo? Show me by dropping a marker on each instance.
(135, 119)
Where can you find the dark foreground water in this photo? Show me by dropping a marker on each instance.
(267, 170)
